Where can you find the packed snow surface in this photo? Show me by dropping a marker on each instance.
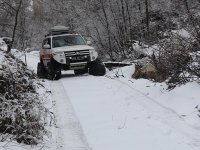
(116, 115)
(116, 112)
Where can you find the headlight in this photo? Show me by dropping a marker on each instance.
(59, 57)
(61, 54)
(93, 54)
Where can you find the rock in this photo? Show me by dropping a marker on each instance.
(147, 71)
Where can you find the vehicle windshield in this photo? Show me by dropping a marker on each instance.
(67, 40)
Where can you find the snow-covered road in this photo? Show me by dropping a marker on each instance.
(69, 131)
(107, 113)
(115, 116)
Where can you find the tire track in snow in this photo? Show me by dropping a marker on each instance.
(151, 99)
(70, 135)
(172, 116)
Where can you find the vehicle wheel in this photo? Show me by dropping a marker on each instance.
(58, 75)
(80, 71)
(41, 73)
(52, 72)
(97, 68)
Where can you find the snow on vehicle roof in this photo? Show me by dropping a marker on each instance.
(62, 34)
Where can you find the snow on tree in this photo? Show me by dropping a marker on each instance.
(22, 111)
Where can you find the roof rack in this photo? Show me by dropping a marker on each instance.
(57, 30)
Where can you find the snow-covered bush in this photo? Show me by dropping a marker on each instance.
(3, 45)
(21, 110)
(174, 61)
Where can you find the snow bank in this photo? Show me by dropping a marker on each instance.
(22, 111)
(3, 45)
(141, 48)
(182, 33)
(184, 99)
(126, 72)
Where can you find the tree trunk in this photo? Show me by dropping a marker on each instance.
(15, 27)
(107, 28)
(187, 6)
(147, 16)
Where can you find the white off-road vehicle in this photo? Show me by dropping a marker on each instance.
(64, 50)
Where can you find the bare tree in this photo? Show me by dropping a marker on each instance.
(147, 16)
(17, 10)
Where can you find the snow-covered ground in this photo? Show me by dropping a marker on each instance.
(109, 113)
(3, 45)
(116, 115)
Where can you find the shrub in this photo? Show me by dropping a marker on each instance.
(173, 61)
(21, 110)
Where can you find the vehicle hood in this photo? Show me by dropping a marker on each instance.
(72, 48)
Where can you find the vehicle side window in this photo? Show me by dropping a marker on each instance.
(46, 41)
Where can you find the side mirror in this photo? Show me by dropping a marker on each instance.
(46, 46)
(89, 43)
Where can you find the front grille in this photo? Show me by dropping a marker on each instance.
(78, 56)
(77, 53)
